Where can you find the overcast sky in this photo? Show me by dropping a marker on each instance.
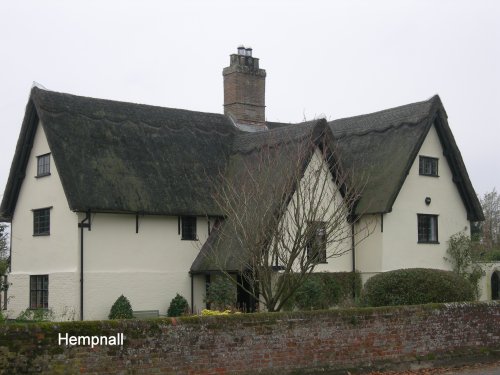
(323, 58)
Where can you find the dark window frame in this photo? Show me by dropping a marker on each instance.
(43, 165)
(316, 245)
(425, 167)
(41, 228)
(39, 292)
(424, 229)
(188, 228)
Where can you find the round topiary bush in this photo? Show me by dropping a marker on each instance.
(178, 306)
(414, 286)
(121, 309)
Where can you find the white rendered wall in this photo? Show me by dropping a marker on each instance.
(148, 267)
(400, 247)
(339, 255)
(368, 246)
(56, 254)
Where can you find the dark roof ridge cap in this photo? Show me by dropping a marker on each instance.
(179, 129)
(433, 99)
(36, 91)
(380, 130)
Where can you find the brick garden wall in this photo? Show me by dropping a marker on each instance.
(267, 343)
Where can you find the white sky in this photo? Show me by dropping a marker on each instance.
(323, 58)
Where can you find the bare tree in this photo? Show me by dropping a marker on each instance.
(288, 206)
(490, 227)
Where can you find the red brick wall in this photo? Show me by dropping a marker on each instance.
(270, 343)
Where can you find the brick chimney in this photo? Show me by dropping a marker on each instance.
(244, 89)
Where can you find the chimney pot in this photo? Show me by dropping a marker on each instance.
(248, 51)
(241, 50)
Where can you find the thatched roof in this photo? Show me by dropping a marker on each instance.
(124, 157)
(379, 148)
(272, 176)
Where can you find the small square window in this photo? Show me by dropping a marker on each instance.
(427, 228)
(316, 246)
(41, 222)
(189, 228)
(43, 165)
(39, 291)
(428, 166)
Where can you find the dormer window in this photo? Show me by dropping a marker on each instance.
(428, 166)
(43, 165)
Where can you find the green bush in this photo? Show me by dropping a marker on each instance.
(35, 315)
(121, 309)
(310, 295)
(415, 286)
(492, 256)
(178, 306)
(322, 290)
(221, 293)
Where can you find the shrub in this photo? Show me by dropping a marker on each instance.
(35, 315)
(206, 312)
(492, 256)
(310, 295)
(221, 293)
(415, 286)
(178, 306)
(121, 309)
(322, 290)
(461, 256)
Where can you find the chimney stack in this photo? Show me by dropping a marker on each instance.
(244, 89)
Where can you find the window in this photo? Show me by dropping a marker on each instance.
(39, 291)
(43, 165)
(316, 246)
(41, 222)
(428, 166)
(427, 228)
(189, 228)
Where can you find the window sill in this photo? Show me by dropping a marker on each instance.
(428, 175)
(41, 234)
(42, 175)
(428, 242)
(189, 239)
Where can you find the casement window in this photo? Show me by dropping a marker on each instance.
(43, 165)
(316, 245)
(39, 291)
(41, 222)
(427, 228)
(188, 228)
(428, 166)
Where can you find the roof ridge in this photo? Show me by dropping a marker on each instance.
(432, 99)
(379, 130)
(40, 91)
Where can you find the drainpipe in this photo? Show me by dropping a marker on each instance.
(192, 289)
(85, 223)
(353, 262)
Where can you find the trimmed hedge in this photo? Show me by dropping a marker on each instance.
(323, 290)
(414, 286)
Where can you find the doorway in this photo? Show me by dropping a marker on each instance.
(494, 286)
